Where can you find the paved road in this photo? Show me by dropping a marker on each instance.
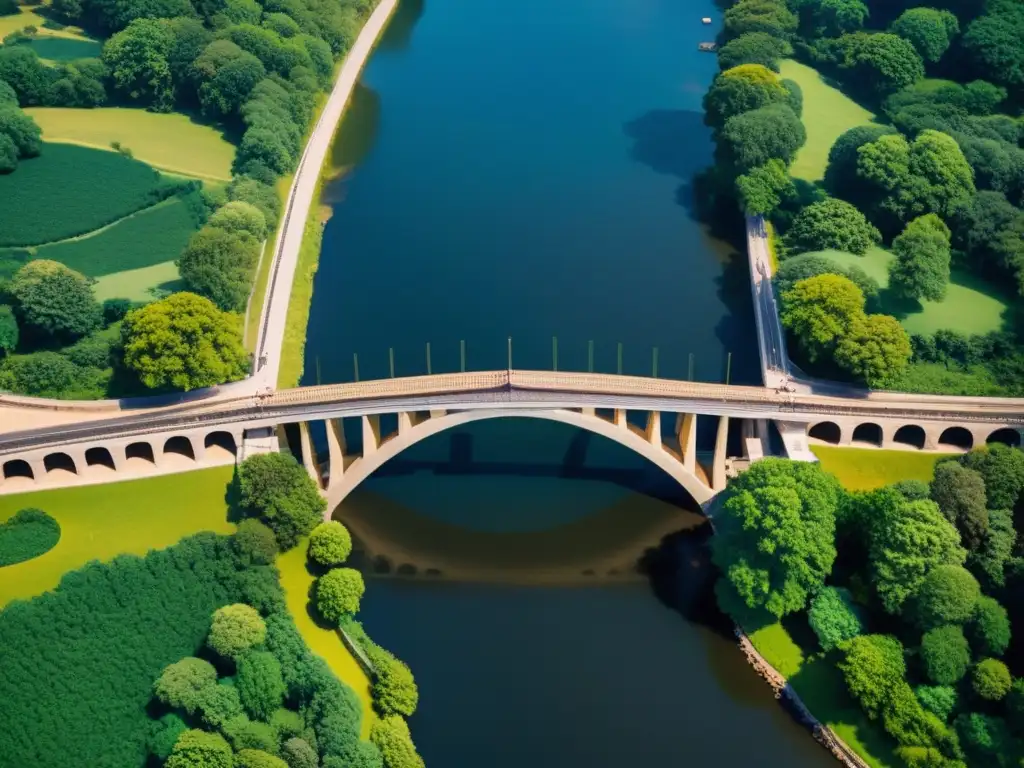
(775, 365)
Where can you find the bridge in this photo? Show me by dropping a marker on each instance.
(113, 445)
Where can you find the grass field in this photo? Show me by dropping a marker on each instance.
(150, 237)
(99, 522)
(171, 142)
(971, 306)
(828, 113)
(326, 643)
(69, 191)
(65, 49)
(861, 469)
(29, 17)
(145, 284)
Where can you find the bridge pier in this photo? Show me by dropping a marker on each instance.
(718, 477)
(335, 450)
(309, 454)
(371, 434)
(653, 431)
(686, 433)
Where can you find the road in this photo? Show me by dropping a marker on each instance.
(775, 366)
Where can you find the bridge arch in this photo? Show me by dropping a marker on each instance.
(826, 432)
(181, 446)
(956, 438)
(99, 457)
(59, 461)
(18, 468)
(1007, 436)
(355, 473)
(910, 434)
(869, 432)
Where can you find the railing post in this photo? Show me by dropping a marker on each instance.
(391, 360)
(318, 370)
(689, 370)
(590, 356)
(510, 353)
(429, 371)
(618, 367)
(554, 353)
(654, 362)
(728, 366)
(462, 355)
(355, 364)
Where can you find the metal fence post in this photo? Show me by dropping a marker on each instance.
(510, 353)
(554, 353)
(590, 356)
(429, 369)
(654, 362)
(355, 364)
(728, 367)
(689, 370)
(462, 355)
(391, 360)
(618, 367)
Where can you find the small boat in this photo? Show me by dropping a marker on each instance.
(706, 20)
(708, 47)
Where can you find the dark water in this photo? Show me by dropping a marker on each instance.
(524, 169)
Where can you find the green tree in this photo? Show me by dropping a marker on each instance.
(831, 223)
(199, 749)
(260, 684)
(8, 153)
(330, 544)
(218, 704)
(834, 618)
(53, 300)
(235, 629)
(776, 535)
(841, 177)
(990, 627)
(276, 488)
(765, 188)
(940, 700)
(769, 16)
(250, 734)
(1015, 706)
(883, 62)
(165, 733)
(21, 130)
(8, 329)
(184, 342)
(995, 44)
(907, 541)
(363, 754)
(990, 679)
(391, 736)
(338, 593)
(220, 265)
(255, 758)
(876, 349)
(753, 138)
(137, 58)
(1002, 469)
(255, 542)
(921, 268)
(797, 268)
(837, 17)
(948, 595)
(960, 494)
(181, 684)
(298, 754)
(989, 561)
(985, 739)
(820, 310)
(741, 89)
(930, 31)
(873, 666)
(945, 654)
(239, 216)
(754, 48)
(43, 374)
(394, 689)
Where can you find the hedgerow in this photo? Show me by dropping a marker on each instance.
(89, 188)
(27, 534)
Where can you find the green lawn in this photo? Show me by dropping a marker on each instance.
(828, 113)
(28, 17)
(171, 142)
(971, 306)
(145, 284)
(99, 522)
(861, 469)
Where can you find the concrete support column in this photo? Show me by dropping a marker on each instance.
(38, 467)
(308, 453)
(588, 411)
(438, 413)
(404, 423)
(371, 434)
(653, 431)
(620, 418)
(198, 446)
(718, 478)
(158, 452)
(686, 432)
(335, 449)
(78, 457)
(931, 437)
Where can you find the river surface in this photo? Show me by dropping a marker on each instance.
(524, 170)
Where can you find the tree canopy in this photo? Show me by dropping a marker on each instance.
(276, 488)
(753, 138)
(741, 89)
(946, 654)
(235, 629)
(338, 593)
(831, 223)
(54, 301)
(820, 310)
(921, 268)
(330, 544)
(754, 48)
(948, 594)
(929, 30)
(875, 348)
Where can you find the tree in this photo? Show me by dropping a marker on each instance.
(394, 689)
(250, 734)
(1015, 706)
(753, 138)
(776, 534)
(199, 749)
(837, 17)
(883, 63)
(797, 268)
(235, 629)
(991, 680)
(985, 739)
(362, 754)
(834, 618)
(990, 627)
(22, 131)
(831, 223)
(873, 666)
(218, 704)
(948, 595)
(995, 44)
(841, 177)
(165, 733)
(820, 310)
(391, 736)
(989, 561)
(266, 147)
(260, 684)
(960, 494)
(912, 490)
(876, 349)
(181, 684)
(54, 301)
(8, 329)
(338, 593)
(764, 188)
(184, 342)
(991, 230)
(741, 89)
(930, 31)
(754, 48)
(228, 89)
(945, 654)
(255, 542)
(219, 264)
(239, 216)
(330, 544)
(255, 758)
(276, 488)
(137, 58)
(8, 153)
(940, 700)
(262, 196)
(298, 754)
(921, 268)
(1002, 470)
(908, 541)
(21, 68)
(42, 374)
(769, 16)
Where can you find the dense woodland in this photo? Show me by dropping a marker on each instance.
(939, 179)
(256, 70)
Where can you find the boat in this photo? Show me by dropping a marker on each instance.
(709, 47)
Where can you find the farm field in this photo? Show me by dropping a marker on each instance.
(971, 305)
(145, 239)
(170, 142)
(88, 187)
(862, 469)
(29, 17)
(828, 113)
(145, 284)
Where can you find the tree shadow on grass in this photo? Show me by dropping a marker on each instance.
(233, 498)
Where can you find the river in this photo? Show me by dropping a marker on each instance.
(525, 170)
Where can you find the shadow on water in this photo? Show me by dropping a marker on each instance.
(398, 35)
(354, 141)
(674, 142)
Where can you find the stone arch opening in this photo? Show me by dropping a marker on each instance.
(180, 445)
(956, 437)
(18, 468)
(868, 433)
(1006, 436)
(382, 565)
(60, 461)
(222, 440)
(99, 457)
(827, 432)
(142, 451)
(910, 434)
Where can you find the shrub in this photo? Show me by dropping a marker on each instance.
(984, 738)
(260, 684)
(1015, 706)
(235, 629)
(298, 754)
(218, 704)
(940, 700)
(991, 680)
(754, 48)
(8, 329)
(338, 593)
(990, 627)
(834, 618)
(391, 736)
(275, 487)
(249, 734)
(199, 749)
(363, 754)
(330, 544)
(945, 654)
(832, 223)
(116, 309)
(255, 542)
(394, 689)
(239, 216)
(948, 595)
(27, 534)
(181, 683)
(287, 722)
(165, 733)
(255, 758)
